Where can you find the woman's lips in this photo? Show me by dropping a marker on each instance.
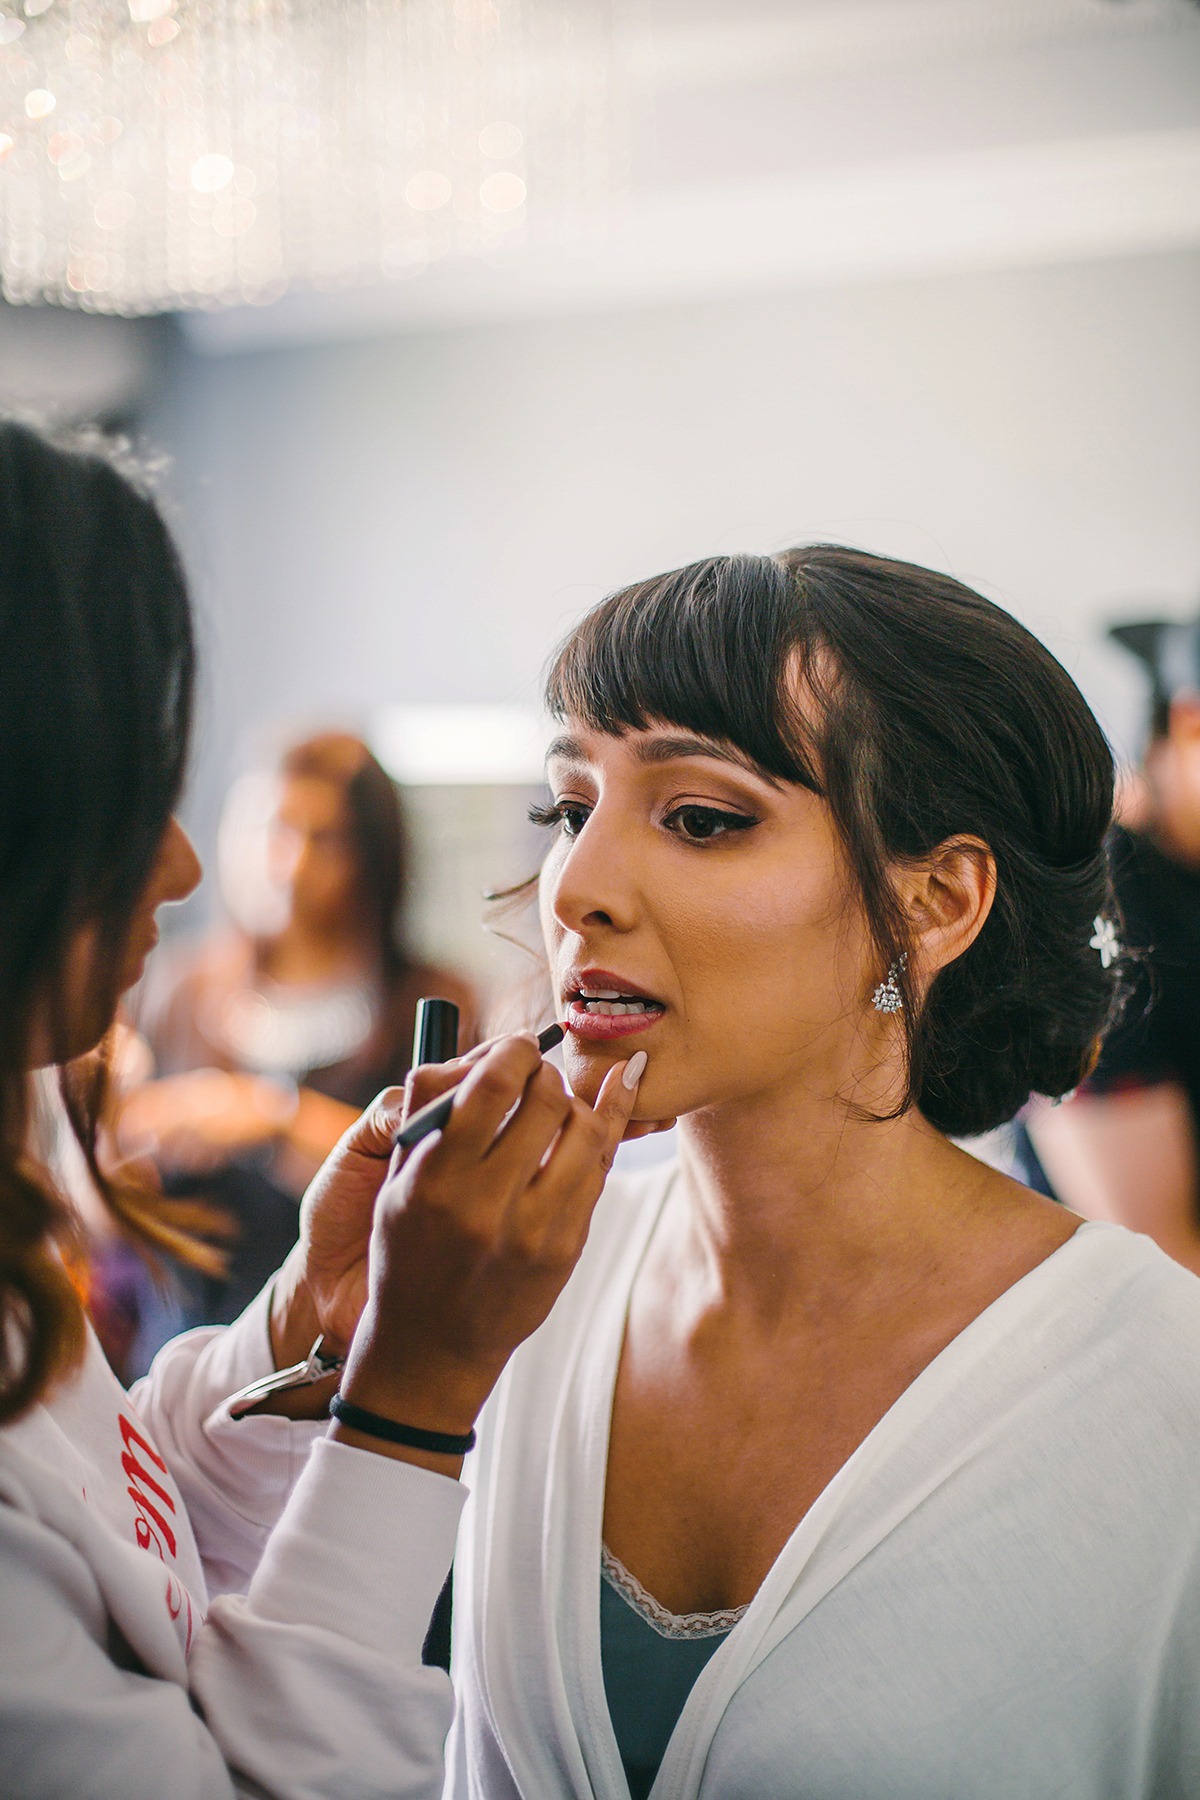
(602, 1026)
(136, 965)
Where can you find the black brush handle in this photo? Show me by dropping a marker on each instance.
(434, 1116)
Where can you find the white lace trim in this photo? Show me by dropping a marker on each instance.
(667, 1624)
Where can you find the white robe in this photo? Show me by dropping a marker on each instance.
(997, 1595)
(120, 1514)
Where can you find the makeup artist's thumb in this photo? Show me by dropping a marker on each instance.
(616, 1100)
(372, 1132)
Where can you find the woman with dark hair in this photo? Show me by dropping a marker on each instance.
(270, 1038)
(206, 1591)
(847, 1465)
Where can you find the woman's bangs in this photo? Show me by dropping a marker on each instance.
(705, 648)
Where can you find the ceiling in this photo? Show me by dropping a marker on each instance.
(771, 143)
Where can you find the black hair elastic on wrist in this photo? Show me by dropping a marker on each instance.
(436, 1443)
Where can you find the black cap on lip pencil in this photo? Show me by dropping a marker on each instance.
(435, 1035)
(434, 1116)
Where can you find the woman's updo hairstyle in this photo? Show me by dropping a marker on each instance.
(931, 714)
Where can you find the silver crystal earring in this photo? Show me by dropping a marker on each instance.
(887, 997)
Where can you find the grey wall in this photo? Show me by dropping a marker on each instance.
(420, 517)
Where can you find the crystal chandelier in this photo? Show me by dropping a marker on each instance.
(157, 154)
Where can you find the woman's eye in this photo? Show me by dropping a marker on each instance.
(571, 816)
(698, 823)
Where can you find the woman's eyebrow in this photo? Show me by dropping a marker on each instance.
(566, 749)
(673, 749)
(664, 750)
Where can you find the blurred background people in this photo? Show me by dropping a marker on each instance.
(270, 1036)
(1125, 1147)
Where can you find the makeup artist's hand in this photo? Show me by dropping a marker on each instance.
(434, 1079)
(322, 1287)
(477, 1231)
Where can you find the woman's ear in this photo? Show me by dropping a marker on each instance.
(948, 896)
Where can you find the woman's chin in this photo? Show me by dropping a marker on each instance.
(586, 1069)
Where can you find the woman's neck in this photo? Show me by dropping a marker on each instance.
(788, 1197)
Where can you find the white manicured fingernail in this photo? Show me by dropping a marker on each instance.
(633, 1069)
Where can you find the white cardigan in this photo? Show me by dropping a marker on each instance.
(120, 1515)
(997, 1596)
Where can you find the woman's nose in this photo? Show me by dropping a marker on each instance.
(591, 886)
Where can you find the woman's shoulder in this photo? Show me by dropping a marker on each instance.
(76, 1456)
(1127, 1265)
(1126, 1305)
(75, 1435)
(92, 1530)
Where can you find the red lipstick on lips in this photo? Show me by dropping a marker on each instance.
(601, 1006)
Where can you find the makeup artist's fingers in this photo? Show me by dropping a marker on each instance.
(484, 1099)
(558, 1203)
(616, 1100)
(551, 1216)
(323, 1282)
(517, 1153)
(428, 1081)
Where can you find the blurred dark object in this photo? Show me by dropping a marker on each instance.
(1170, 654)
(435, 1651)
(1156, 875)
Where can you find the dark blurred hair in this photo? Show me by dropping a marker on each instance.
(376, 828)
(96, 670)
(935, 715)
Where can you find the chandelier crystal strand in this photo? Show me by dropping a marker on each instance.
(157, 154)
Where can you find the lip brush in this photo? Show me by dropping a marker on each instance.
(434, 1116)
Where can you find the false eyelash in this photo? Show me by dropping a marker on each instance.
(545, 815)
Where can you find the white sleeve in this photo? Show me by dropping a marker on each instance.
(73, 1721)
(235, 1475)
(310, 1687)
(312, 1683)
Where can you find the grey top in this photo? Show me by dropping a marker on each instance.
(651, 1659)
